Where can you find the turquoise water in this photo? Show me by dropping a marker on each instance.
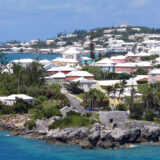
(21, 148)
(14, 56)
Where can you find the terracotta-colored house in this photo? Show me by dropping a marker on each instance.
(77, 74)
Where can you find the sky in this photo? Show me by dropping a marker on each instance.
(26, 20)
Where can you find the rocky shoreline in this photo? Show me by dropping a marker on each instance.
(132, 132)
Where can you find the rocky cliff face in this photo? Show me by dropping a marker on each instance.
(124, 133)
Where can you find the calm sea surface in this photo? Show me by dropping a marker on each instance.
(21, 148)
(15, 56)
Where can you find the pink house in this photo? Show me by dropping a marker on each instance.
(154, 76)
(125, 67)
(65, 70)
(120, 59)
(132, 67)
(78, 74)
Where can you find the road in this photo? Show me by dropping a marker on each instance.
(74, 102)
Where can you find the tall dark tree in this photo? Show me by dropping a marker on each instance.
(91, 47)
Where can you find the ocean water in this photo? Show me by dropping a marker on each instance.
(22, 148)
(16, 56)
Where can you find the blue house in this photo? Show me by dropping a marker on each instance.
(86, 60)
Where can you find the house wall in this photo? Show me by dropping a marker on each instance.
(125, 69)
(152, 78)
(121, 60)
(64, 63)
(87, 86)
(70, 78)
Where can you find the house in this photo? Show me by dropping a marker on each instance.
(112, 117)
(132, 57)
(23, 62)
(64, 62)
(49, 65)
(44, 62)
(120, 59)
(65, 70)
(78, 74)
(72, 53)
(120, 98)
(86, 84)
(56, 78)
(105, 64)
(132, 67)
(125, 67)
(10, 100)
(154, 76)
(86, 60)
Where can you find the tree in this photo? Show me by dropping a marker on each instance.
(91, 47)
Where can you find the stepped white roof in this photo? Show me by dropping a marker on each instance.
(65, 60)
(44, 61)
(65, 68)
(58, 75)
(72, 51)
(125, 65)
(84, 80)
(131, 54)
(28, 60)
(108, 82)
(14, 96)
(80, 74)
(118, 57)
(105, 60)
(155, 71)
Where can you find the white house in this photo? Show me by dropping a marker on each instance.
(56, 78)
(10, 100)
(72, 53)
(86, 84)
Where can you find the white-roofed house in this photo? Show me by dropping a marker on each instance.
(132, 57)
(63, 61)
(56, 78)
(44, 62)
(125, 67)
(120, 98)
(72, 53)
(154, 76)
(120, 59)
(23, 62)
(85, 84)
(10, 100)
(78, 74)
(65, 70)
(105, 64)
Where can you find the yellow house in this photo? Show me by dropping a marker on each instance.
(115, 99)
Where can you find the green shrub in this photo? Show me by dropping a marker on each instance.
(149, 116)
(122, 107)
(30, 124)
(7, 109)
(72, 120)
(73, 113)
